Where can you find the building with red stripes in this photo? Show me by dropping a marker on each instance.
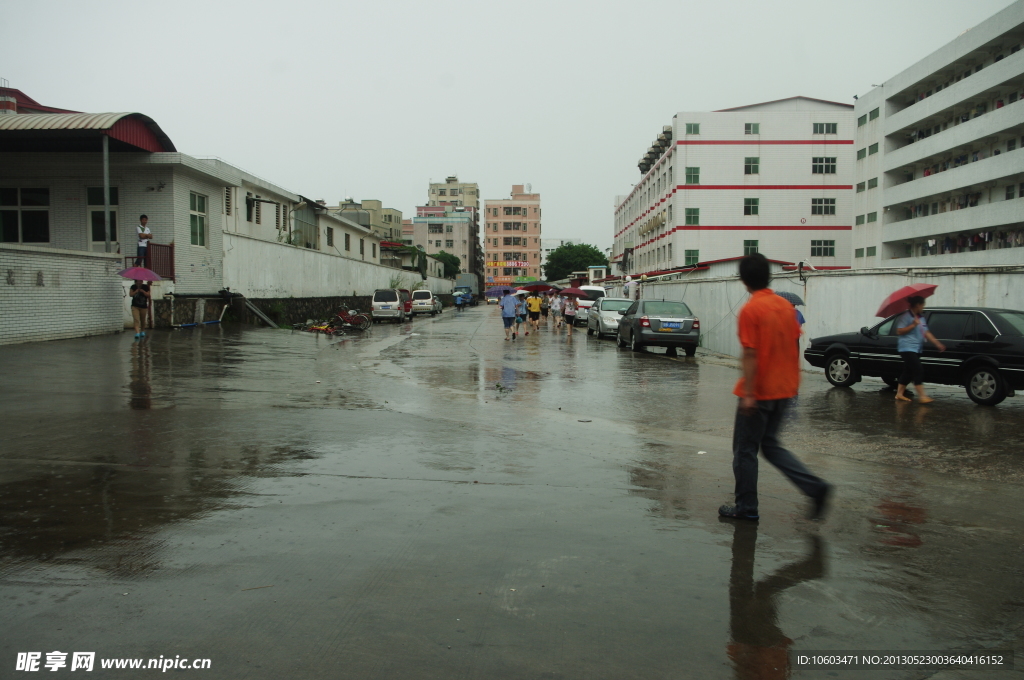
(775, 178)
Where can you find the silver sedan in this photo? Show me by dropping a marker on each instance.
(603, 317)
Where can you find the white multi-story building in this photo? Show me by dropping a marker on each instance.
(940, 167)
(774, 178)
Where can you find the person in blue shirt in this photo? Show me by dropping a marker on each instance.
(912, 330)
(507, 306)
(520, 312)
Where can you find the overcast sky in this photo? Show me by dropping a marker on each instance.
(373, 99)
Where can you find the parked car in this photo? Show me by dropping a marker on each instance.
(603, 316)
(407, 301)
(659, 323)
(424, 302)
(984, 352)
(594, 293)
(389, 303)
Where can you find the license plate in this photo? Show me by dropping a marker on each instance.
(385, 306)
(671, 324)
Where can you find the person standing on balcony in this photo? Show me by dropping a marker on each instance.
(145, 235)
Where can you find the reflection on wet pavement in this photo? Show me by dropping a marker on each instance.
(425, 501)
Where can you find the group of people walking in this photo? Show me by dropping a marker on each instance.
(529, 308)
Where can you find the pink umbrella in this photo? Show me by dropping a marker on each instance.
(140, 274)
(897, 302)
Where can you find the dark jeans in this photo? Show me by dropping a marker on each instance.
(140, 256)
(760, 430)
(912, 371)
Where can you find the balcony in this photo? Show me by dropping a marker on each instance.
(955, 97)
(956, 180)
(996, 215)
(956, 139)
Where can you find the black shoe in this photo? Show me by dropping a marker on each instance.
(513, 335)
(735, 513)
(821, 503)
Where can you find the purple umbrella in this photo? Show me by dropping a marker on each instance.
(139, 274)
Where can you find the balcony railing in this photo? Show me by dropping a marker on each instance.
(159, 258)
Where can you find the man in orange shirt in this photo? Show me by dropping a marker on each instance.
(768, 332)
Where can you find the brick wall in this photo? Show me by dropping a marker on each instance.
(49, 294)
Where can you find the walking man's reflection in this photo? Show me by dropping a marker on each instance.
(759, 650)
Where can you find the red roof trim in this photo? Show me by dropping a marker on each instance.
(26, 102)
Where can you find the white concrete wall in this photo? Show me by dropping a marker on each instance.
(838, 302)
(50, 294)
(264, 269)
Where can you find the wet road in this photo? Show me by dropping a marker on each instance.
(425, 502)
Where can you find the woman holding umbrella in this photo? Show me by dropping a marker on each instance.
(913, 331)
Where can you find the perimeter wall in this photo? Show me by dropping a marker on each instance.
(838, 301)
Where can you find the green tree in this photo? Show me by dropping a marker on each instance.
(566, 259)
(452, 264)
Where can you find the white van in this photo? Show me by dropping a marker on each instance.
(594, 293)
(424, 302)
(388, 303)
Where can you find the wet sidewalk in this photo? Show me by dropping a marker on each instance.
(429, 501)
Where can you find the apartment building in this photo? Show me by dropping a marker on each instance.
(455, 194)
(512, 233)
(447, 228)
(940, 167)
(774, 178)
(385, 223)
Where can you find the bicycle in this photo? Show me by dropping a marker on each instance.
(352, 318)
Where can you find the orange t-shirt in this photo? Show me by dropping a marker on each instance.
(767, 324)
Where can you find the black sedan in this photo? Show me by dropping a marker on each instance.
(984, 352)
(659, 323)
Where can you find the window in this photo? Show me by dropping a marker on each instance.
(691, 257)
(872, 183)
(859, 252)
(752, 128)
(860, 219)
(1011, 145)
(860, 187)
(348, 241)
(227, 199)
(823, 248)
(94, 198)
(751, 165)
(825, 128)
(25, 215)
(506, 241)
(823, 206)
(197, 218)
(749, 247)
(750, 206)
(437, 244)
(373, 250)
(330, 237)
(447, 228)
(873, 114)
(872, 217)
(823, 165)
(362, 247)
(1009, 192)
(442, 192)
(693, 128)
(861, 153)
(449, 243)
(693, 175)
(871, 251)
(863, 120)
(693, 216)
(435, 228)
(873, 149)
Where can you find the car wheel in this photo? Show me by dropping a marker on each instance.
(671, 351)
(840, 371)
(985, 386)
(892, 382)
(618, 339)
(690, 351)
(590, 331)
(635, 344)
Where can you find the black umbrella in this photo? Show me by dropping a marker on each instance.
(792, 298)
